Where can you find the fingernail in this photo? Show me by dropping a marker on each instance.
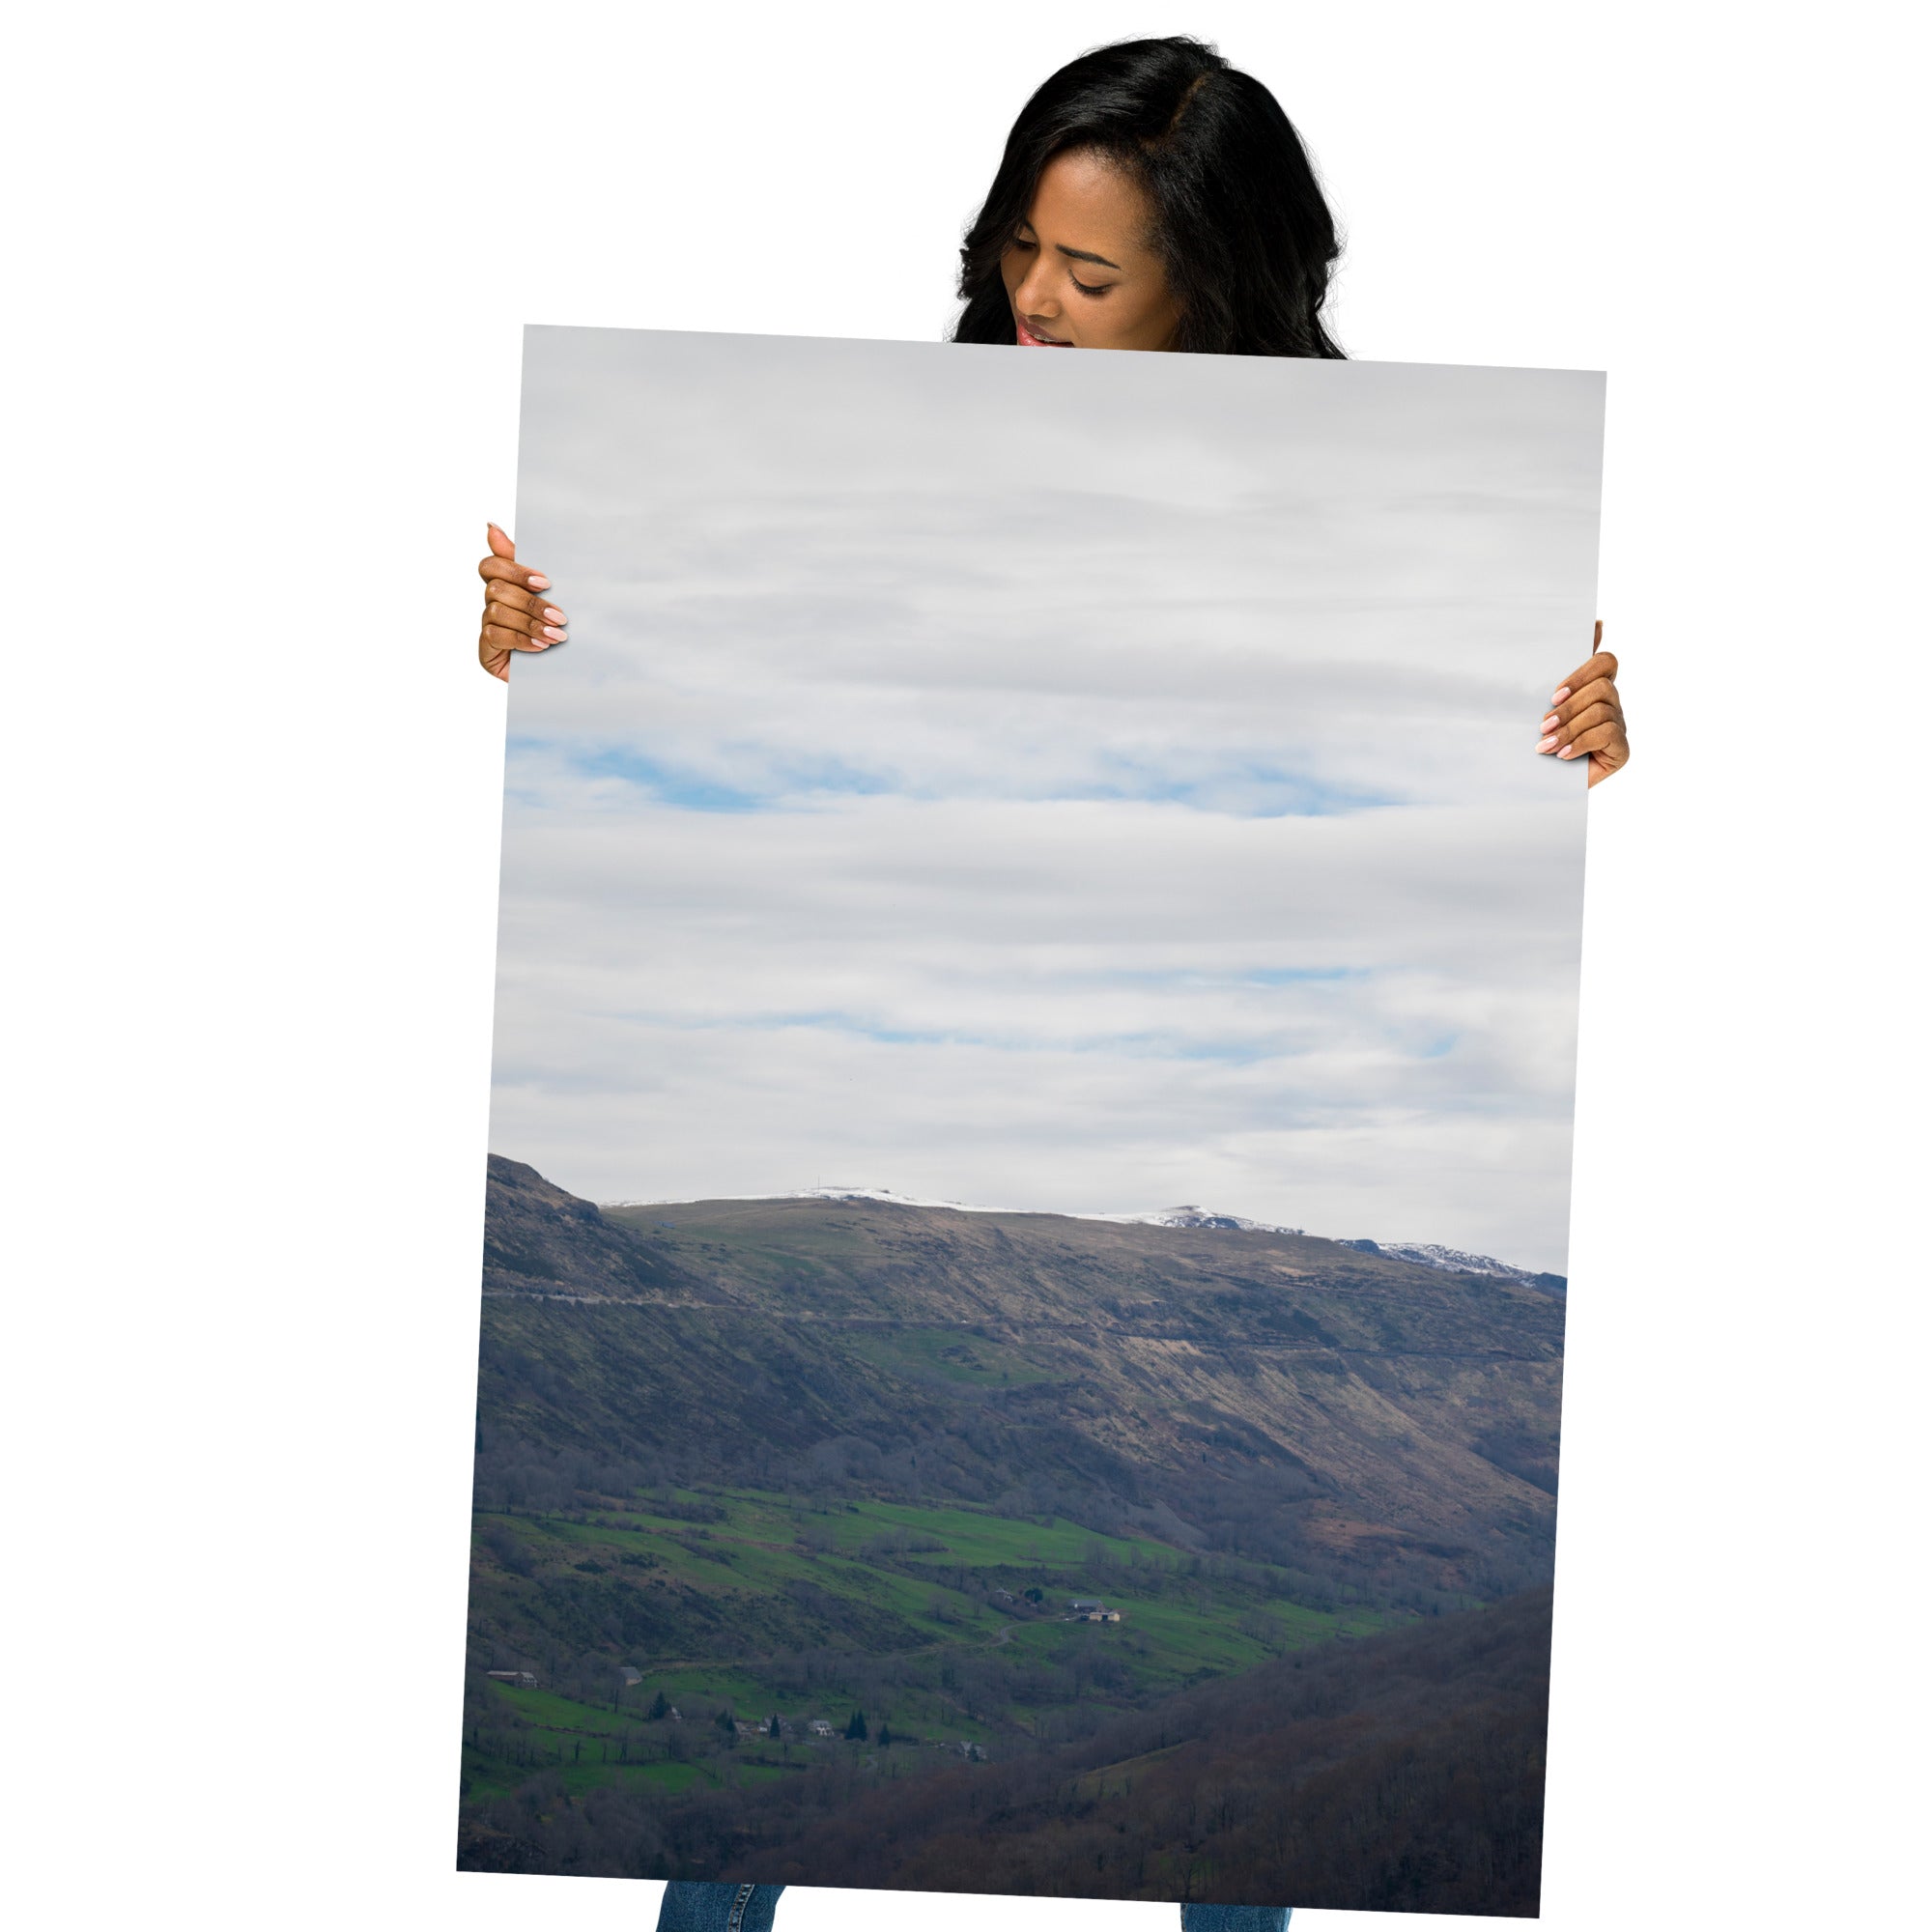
(1546, 745)
(1568, 751)
(1556, 697)
(554, 634)
(556, 618)
(1549, 724)
(538, 644)
(497, 528)
(543, 584)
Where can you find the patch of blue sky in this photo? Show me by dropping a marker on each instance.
(763, 779)
(1243, 791)
(1225, 1052)
(1140, 1045)
(693, 791)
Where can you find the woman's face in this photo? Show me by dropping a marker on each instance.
(1079, 272)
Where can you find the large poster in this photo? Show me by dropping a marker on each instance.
(1024, 1284)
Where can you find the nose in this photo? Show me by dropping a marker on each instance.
(1035, 295)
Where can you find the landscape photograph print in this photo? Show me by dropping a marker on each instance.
(1024, 1263)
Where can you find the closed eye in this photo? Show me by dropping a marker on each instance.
(1085, 288)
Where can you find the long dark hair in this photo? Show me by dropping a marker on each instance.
(1240, 226)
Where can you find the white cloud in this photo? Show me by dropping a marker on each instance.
(1090, 789)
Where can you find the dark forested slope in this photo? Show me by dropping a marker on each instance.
(1403, 1773)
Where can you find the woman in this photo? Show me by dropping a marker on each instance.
(1150, 197)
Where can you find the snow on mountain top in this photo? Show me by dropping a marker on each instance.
(1459, 1261)
(1199, 1217)
(1425, 1254)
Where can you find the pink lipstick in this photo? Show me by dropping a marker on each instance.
(1028, 338)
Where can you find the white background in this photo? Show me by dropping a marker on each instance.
(269, 266)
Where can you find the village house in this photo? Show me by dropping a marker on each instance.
(819, 1728)
(524, 1680)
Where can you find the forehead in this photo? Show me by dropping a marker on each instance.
(1085, 200)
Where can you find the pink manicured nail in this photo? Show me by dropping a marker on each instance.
(543, 584)
(1568, 751)
(554, 634)
(1546, 745)
(1549, 724)
(538, 644)
(1556, 697)
(556, 618)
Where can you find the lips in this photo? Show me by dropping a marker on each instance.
(1029, 338)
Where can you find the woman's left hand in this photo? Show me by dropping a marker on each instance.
(1586, 715)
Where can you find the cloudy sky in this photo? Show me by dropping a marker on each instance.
(1082, 782)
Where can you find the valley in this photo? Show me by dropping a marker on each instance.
(786, 1506)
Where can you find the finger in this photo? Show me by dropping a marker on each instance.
(497, 662)
(1585, 720)
(511, 638)
(500, 544)
(502, 618)
(514, 597)
(1599, 691)
(1607, 760)
(1604, 664)
(501, 570)
(1599, 738)
(500, 637)
(499, 617)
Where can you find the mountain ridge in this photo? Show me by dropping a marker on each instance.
(1425, 1253)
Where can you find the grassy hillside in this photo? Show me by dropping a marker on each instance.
(921, 1616)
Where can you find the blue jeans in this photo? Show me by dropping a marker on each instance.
(750, 1907)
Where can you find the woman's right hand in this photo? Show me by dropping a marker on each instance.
(517, 615)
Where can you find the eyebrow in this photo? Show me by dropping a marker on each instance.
(1088, 255)
(1079, 254)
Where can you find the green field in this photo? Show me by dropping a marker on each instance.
(926, 1607)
